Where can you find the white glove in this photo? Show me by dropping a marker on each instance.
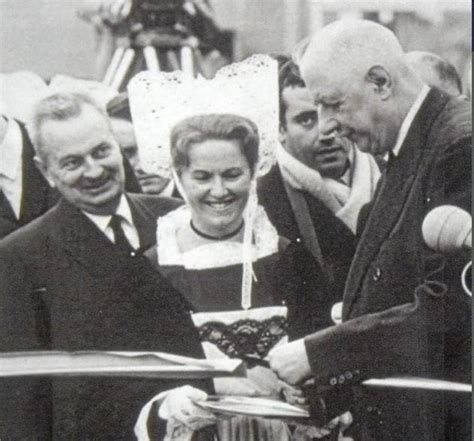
(179, 407)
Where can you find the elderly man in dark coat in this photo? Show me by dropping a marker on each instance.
(75, 279)
(365, 90)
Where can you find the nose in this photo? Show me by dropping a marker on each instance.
(327, 124)
(218, 188)
(93, 168)
(327, 138)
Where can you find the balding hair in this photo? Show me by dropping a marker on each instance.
(60, 106)
(435, 71)
(353, 45)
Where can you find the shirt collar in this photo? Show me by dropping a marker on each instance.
(103, 222)
(11, 150)
(407, 122)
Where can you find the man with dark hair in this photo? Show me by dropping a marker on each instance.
(435, 71)
(316, 190)
(75, 279)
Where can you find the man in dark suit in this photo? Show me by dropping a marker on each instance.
(75, 279)
(315, 191)
(399, 317)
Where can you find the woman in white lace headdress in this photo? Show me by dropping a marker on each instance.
(241, 281)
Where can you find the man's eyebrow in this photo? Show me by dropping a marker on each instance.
(308, 112)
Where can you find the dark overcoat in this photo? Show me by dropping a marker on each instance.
(64, 286)
(387, 331)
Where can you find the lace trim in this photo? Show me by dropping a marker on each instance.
(245, 337)
(214, 255)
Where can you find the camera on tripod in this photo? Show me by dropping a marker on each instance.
(161, 14)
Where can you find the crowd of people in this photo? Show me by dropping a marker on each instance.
(313, 271)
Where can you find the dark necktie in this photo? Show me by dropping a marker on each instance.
(121, 241)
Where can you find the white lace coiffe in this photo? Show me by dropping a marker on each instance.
(158, 101)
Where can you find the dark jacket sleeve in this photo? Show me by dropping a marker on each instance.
(25, 411)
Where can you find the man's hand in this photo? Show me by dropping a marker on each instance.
(290, 362)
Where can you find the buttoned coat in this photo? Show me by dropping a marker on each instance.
(387, 330)
(64, 286)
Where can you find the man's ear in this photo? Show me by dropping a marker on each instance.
(282, 135)
(42, 167)
(381, 81)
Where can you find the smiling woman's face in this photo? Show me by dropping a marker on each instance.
(217, 184)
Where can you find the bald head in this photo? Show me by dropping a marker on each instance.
(435, 71)
(359, 77)
(352, 45)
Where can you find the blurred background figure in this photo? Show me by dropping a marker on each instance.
(125, 136)
(119, 111)
(24, 193)
(158, 24)
(435, 71)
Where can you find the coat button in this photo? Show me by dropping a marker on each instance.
(348, 375)
(132, 253)
(342, 379)
(428, 200)
(298, 239)
(333, 381)
(377, 274)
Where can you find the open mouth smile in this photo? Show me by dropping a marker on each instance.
(221, 205)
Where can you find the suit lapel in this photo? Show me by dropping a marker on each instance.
(273, 196)
(84, 243)
(396, 183)
(144, 220)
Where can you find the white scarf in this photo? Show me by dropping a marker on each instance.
(343, 200)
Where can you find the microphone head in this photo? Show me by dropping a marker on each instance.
(447, 229)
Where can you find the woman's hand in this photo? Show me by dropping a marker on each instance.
(179, 408)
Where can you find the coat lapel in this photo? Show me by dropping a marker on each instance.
(144, 220)
(272, 195)
(84, 243)
(396, 184)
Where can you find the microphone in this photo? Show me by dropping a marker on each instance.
(447, 229)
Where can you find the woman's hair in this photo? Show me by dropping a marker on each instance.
(201, 128)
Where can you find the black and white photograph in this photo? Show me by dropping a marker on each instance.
(235, 220)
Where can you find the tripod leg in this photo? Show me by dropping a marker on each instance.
(151, 58)
(187, 61)
(123, 68)
(172, 60)
(114, 63)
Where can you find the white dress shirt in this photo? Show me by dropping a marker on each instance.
(129, 229)
(11, 173)
(407, 122)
